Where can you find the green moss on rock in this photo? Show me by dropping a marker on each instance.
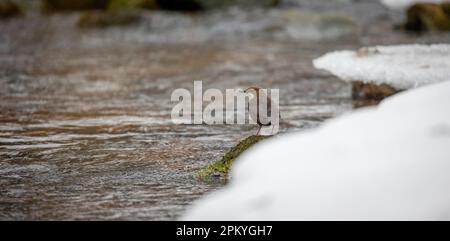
(221, 167)
(428, 17)
(9, 9)
(103, 19)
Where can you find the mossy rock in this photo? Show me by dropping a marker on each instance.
(131, 4)
(428, 17)
(103, 19)
(50, 6)
(196, 5)
(9, 9)
(221, 167)
(367, 94)
(446, 8)
(73, 5)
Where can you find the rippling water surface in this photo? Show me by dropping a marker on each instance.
(85, 130)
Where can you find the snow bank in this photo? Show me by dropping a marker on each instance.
(403, 4)
(402, 66)
(387, 162)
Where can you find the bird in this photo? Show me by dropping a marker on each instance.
(261, 121)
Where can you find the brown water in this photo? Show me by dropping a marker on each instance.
(85, 129)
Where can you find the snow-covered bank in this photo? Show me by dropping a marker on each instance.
(387, 162)
(403, 4)
(402, 66)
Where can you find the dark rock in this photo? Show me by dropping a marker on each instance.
(73, 5)
(131, 4)
(428, 17)
(9, 9)
(367, 94)
(180, 5)
(196, 5)
(174, 5)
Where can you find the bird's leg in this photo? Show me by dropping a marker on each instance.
(259, 129)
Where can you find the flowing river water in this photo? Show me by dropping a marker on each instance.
(85, 128)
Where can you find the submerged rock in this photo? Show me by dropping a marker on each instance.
(73, 5)
(428, 17)
(102, 19)
(221, 167)
(9, 9)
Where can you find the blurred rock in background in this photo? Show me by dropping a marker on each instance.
(428, 17)
(212, 4)
(9, 9)
(131, 4)
(175, 5)
(105, 13)
(73, 5)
